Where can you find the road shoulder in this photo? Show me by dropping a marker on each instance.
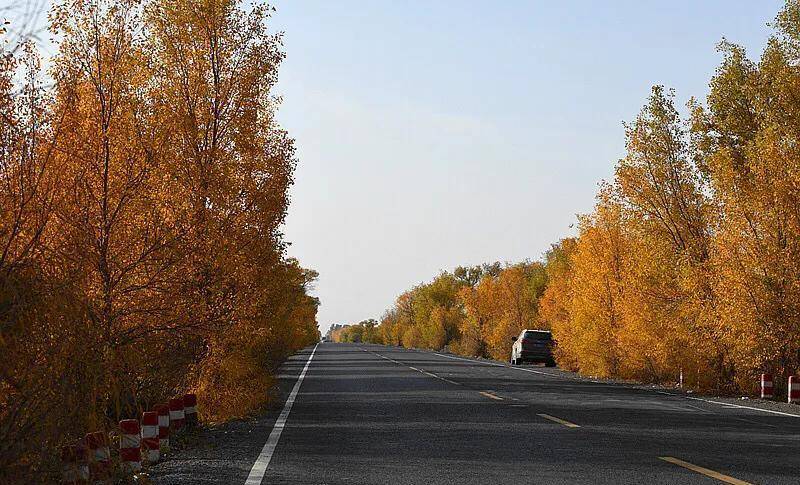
(224, 453)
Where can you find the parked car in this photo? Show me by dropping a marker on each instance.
(533, 346)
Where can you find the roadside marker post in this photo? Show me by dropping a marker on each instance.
(176, 416)
(130, 453)
(794, 389)
(163, 427)
(99, 454)
(767, 387)
(150, 441)
(75, 463)
(190, 409)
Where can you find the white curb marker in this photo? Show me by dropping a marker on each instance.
(262, 462)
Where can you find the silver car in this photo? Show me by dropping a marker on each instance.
(533, 346)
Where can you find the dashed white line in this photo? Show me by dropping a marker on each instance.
(729, 405)
(422, 371)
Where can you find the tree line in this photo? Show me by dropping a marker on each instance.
(143, 183)
(690, 260)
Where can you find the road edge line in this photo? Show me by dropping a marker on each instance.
(623, 385)
(262, 462)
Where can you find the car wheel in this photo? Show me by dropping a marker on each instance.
(550, 363)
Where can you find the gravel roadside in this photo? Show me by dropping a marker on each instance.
(224, 453)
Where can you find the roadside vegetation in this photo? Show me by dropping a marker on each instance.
(143, 183)
(689, 261)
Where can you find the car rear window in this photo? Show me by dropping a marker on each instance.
(538, 335)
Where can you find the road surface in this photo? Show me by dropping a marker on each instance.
(377, 415)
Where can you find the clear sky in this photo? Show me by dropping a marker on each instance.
(433, 134)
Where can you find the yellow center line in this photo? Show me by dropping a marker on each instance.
(491, 396)
(704, 471)
(558, 420)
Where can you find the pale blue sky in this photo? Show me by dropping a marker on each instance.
(437, 133)
(434, 134)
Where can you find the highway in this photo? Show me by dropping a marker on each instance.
(375, 414)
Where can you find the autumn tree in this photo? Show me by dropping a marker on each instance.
(747, 136)
(215, 65)
(115, 229)
(688, 263)
(141, 198)
(473, 310)
(41, 320)
(669, 306)
(555, 305)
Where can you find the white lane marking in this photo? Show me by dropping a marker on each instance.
(737, 406)
(725, 404)
(422, 371)
(262, 462)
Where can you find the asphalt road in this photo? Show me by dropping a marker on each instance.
(374, 414)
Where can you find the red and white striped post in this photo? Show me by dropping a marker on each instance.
(99, 454)
(767, 387)
(150, 442)
(163, 426)
(74, 463)
(794, 389)
(176, 416)
(190, 409)
(130, 452)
